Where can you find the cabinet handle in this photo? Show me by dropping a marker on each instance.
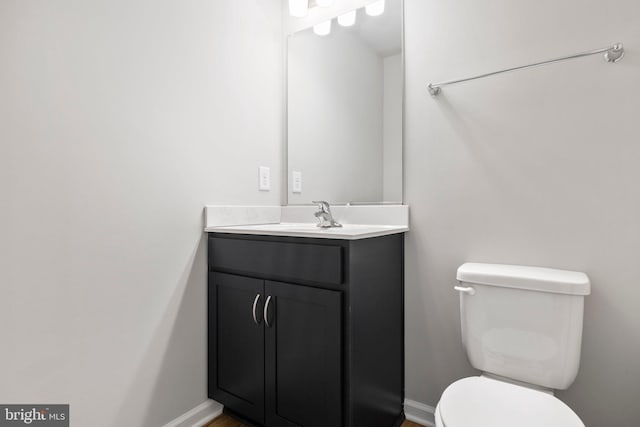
(266, 311)
(255, 304)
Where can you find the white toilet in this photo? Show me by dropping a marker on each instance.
(522, 327)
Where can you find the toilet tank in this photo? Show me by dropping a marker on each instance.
(523, 323)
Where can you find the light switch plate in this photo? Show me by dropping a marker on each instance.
(264, 179)
(296, 182)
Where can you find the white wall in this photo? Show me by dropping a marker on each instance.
(392, 130)
(335, 117)
(537, 167)
(119, 120)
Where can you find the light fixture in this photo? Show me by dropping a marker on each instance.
(323, 28)
(375, 9)
(298, 8)
(347, 19)
(324, 3)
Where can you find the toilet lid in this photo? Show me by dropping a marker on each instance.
(485, 402)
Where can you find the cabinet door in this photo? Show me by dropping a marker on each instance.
(236, 344)
(303, 356)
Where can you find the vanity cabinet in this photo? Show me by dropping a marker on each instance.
(266, 351)
(307, 332)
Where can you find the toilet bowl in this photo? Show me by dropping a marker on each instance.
(522, 327)
(487, 402)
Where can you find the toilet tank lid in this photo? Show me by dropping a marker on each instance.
(525, 277)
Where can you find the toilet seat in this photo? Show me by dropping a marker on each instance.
(486, 402)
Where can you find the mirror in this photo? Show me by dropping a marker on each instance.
(344, 111)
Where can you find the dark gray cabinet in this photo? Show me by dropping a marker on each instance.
(307, 332)
(236, 344)
(303, 351)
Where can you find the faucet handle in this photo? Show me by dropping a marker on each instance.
(322, 205)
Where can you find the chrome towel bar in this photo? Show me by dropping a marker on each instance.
(612, 54)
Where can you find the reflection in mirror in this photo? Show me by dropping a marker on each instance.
(344, 111)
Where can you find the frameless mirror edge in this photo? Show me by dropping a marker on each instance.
(286, 172)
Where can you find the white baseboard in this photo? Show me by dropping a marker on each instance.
(419, 413)
(198, 416)
(206, 411)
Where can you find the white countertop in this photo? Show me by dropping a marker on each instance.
(359, 222)
(290, 229)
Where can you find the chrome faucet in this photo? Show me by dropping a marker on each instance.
(325, 219)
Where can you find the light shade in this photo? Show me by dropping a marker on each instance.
(375, 9)
(323, 28)
(347, 19)
(324, 3)
(298, 8)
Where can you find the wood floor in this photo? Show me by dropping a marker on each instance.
(227, 421)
